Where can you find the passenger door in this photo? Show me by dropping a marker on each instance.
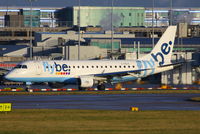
(38, 68)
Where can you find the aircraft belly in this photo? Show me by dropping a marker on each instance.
(123, 79)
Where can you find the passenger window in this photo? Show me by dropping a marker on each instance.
(124, 66)
(82, 66)
(73, 66)
(115, 66)
(87, 66)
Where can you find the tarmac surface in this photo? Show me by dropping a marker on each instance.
(104, 102)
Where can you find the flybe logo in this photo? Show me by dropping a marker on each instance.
(160, 56)
(58, 69)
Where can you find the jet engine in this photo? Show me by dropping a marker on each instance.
(86, 81)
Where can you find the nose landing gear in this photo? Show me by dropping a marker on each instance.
(28, 86)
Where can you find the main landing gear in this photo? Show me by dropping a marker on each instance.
(81, 88)
(101, 87)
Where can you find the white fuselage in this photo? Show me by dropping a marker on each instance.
(60, 71)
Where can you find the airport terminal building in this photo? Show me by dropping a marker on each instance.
(95, 16)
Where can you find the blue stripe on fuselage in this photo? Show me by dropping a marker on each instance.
(44, 79)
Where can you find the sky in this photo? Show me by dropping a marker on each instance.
(131, 3)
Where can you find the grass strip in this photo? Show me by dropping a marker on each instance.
(104, 92)
(195, 99)
(43, 121)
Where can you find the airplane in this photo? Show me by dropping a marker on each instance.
(87, 73)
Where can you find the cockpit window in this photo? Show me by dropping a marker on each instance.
(24, 66)
(21, 66)
(18, 66)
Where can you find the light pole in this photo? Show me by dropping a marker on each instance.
(79, 22)
(153, 23)
(112, 27)
(31, 30)
(170, 13)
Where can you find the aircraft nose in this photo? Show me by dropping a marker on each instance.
(6, 76)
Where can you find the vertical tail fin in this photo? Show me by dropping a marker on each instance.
(162, 52)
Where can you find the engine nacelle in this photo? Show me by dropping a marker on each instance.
(86, 81)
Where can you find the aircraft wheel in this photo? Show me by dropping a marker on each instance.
(81, 88)
(28, 88)
(101, 87)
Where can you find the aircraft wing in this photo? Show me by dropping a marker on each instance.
(122, 73)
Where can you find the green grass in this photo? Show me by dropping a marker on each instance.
(103, 92)
(42, 121)
(195, 99)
